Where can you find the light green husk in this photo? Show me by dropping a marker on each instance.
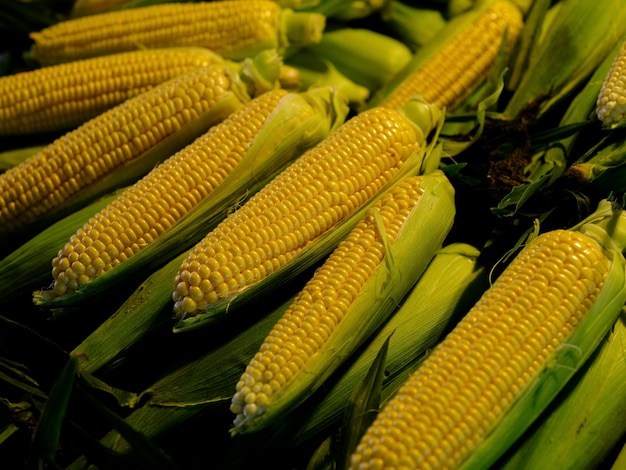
(405, 260)
(300, 121)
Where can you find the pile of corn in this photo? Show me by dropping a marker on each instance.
(313, 234)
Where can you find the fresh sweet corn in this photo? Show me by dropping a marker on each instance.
(308, 199)
(347, 299)
(152, 125)
(265, 133)
(458, 59)
(611, 103)
(64, 96)
(233, 29)
(509, 355)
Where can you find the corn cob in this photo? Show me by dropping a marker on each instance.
(452, 282)
(611, 103)
(588, 418)
(322, 188)
(347, 299)
(63, 96)
(248, 147)
(85, 162)
(508, 357)
(233, 29)
(458, 59)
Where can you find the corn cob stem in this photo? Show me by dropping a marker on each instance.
(233, 29)
(509, 356)
(64, 96)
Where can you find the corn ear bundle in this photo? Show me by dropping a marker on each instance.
(348, 298)
(587, 419)
(178, 201)
(233, 29)
(458, 59)
(64, 96)
(125, 142)
(452, 282)
(510, 355)
(299, 215)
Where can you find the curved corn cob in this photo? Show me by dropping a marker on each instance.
(349, 296)
(517, 346)
(233, 29)
(156, 123)
(458, 59)
(66, 95)
(144, 211)
(611, 103)
(323, 187)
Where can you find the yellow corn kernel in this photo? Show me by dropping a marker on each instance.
(233, 29)
(611, 102)
(64, 96)
(310, 320)
(463, 62)
(112, 139)
(324, 186)
(460, 392)
(152, 205)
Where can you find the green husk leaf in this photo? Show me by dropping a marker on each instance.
(581, 36)
(48, 431)
(587, 419)
(416, 26)
(10, 158)
(300, 121)
(606, 226)
(365, 56)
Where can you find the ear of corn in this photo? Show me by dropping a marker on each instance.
(451, 283)
(233, 29)
(458, 59)
(125, 142)
(509, 356)
(167, 211)
(299, 216)
(366, 57)
(64, 96)
(348, 298)
(611, 103)
(587, 419)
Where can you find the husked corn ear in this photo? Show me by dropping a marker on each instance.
(459, 394)
(336, 309)
(232, 29)
(156, 202)
(115, 139)
(611, 103)
(322, 187)
(450, 73)
(66, 95)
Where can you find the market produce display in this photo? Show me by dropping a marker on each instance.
(313, 234)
